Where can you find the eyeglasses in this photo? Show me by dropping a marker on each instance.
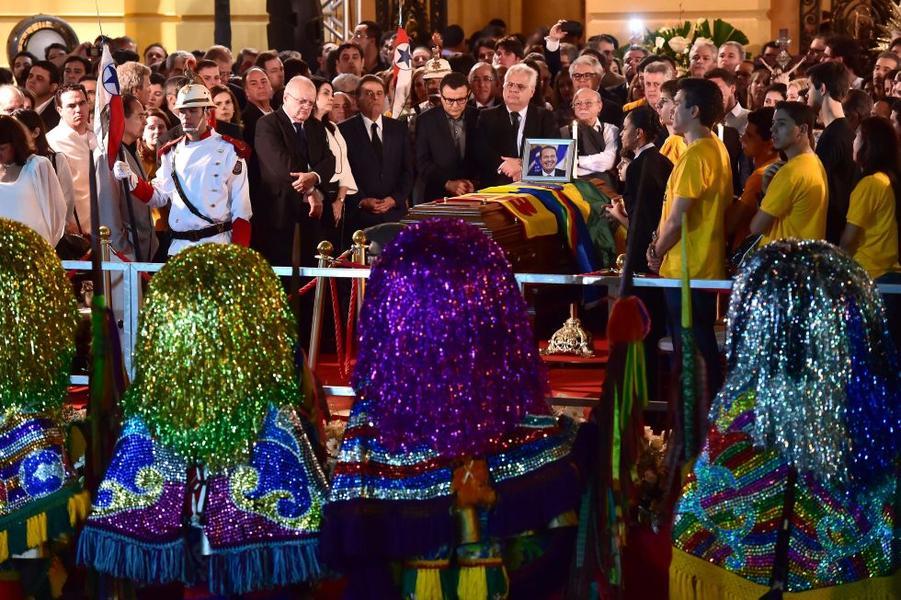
(585, 104)
(519, 87)
(301, 101)
(457, 101)
(581, 76)
(483, 79)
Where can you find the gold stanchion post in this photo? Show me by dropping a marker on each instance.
(325, 250)
(105, 234)
(360, 246)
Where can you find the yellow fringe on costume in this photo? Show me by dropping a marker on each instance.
(428, 584)
(473, 583)
(36, 525)
(36, 530)
(692, 578)
(79, 505)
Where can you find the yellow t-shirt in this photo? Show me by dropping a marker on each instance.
(872, 208)
(634, 105)
(674, 148)
(704, 175)
(797, 198)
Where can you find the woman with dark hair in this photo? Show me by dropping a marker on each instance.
(775, 93)
(37, 131)
(29, 189)
(226, 105)
(639, 212)
(343, 178)
(871, 232)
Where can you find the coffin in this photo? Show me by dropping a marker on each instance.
(540, 254)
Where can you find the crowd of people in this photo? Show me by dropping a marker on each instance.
(269, 150)
(242, 148)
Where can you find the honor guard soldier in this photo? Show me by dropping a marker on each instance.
(204, 176)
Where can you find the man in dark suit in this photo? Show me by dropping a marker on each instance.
(445, 137)
(502, 130)
(378, 149)
(259, 94)
(294, 160)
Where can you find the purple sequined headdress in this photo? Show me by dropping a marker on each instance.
(447, 355)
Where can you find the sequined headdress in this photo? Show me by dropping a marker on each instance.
(37, 321)
(211, 440)
(807, 335)
(445, 342)
(37, 318)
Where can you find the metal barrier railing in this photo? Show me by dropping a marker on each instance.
(126, 298)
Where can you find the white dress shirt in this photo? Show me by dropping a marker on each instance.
(737, 118)
(602, 161)
(77, 149)
(367, 122)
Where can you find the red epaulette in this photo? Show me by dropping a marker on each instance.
(169, 146)
(242, 149)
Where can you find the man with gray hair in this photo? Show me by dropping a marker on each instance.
(588, 72)
(702, 58)
(730, 56)
(481, 81)
(178, 62)
(348, 83)
(502, 130)
(598, 141)
(134, 79)
(11, 98)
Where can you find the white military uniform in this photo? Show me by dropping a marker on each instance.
(213, 177)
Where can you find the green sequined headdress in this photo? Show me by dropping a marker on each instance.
(214, 351)
(37, 322)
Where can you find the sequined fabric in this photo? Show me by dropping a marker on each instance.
(813, 386)
(731, 506)
(366, 469)
(214, 396)
(31, 462)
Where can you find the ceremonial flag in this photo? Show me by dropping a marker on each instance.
(403, 71)
(109, 116)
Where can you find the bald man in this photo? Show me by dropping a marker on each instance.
(295, 164)
(11, 98)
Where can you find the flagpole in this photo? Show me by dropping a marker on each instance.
(131, 212)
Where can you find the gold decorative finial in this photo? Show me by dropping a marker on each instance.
(620, 262)
(105, 233)
(571, 338)
(325, 249)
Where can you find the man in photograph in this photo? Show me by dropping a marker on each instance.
(547, 163)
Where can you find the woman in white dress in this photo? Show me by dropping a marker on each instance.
(29, 188)
(37, 132)
(343, 177)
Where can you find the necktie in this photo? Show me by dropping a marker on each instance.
(514, 119)
(301, 138)
(376, 141)
(459, 141)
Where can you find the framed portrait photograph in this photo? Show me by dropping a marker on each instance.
(548, 160)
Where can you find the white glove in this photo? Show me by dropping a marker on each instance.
(122, 171)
